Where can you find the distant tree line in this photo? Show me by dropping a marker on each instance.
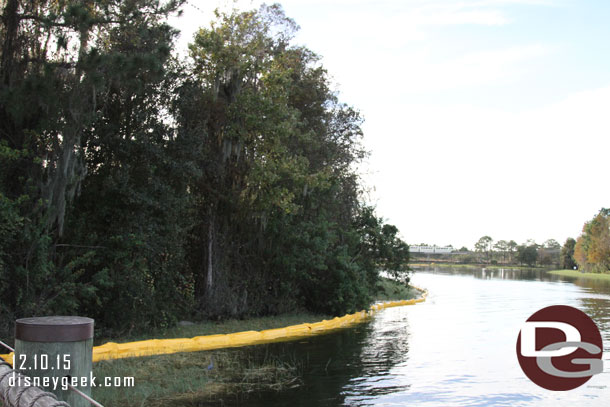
(510, 252)
(589, 253)
(137, 188)
(591, 250)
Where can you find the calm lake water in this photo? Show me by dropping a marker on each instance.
(455, 349)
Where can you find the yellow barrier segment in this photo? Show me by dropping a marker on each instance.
(151, 347)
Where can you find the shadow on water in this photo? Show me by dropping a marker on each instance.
(338, 365)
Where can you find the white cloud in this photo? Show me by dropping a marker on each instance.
(472, 69)
(396, 21)
(364, 77)
(456, 13)
(365, 48)
(479, 17)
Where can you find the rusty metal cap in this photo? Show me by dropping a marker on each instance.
(54, 329)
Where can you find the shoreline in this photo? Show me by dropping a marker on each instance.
(171, 340)
(577, 274)
(485, 266)
(223, 368)
(218, 374)
(153, 347)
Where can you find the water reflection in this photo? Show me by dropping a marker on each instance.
(456, 349)
(536, 274)
(342, 366)
(493, 273)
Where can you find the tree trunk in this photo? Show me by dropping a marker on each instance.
(210, 273)
(11, 25)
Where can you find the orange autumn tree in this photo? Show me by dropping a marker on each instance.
(592, 250)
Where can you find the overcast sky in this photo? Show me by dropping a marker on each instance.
(483, 117)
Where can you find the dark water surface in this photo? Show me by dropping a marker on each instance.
(455, 349)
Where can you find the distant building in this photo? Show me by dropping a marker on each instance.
(430, 249)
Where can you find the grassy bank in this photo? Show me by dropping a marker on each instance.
(198, 378)
(220, 327)
(388, 290)
(578, 274)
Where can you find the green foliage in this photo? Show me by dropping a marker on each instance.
(87, 164)
(484, 245)
(551, 244)
(592, 249)
(392, 290)
(136, 188)
(276, 184)
(527, 254)
(567, 254)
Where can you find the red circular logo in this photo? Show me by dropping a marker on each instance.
(560, 348)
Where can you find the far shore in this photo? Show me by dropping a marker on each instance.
(578, 274)
(486, 266)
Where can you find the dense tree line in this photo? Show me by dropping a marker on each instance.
(137, 188)
(590, 252)
(592, 248)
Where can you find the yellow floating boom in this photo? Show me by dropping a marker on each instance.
(151, 347)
